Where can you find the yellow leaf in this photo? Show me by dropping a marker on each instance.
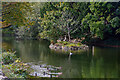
(17, 61)
(60, 4)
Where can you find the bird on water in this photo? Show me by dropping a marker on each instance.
(71, 53)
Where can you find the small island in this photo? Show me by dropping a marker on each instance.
(73, 45)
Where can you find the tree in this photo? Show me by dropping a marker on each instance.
(64, 17)
(49, 26)
(68, 24)
(101, 19)
(15, 13)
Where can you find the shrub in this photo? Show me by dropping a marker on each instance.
(17, 69)
(20, 68)
(13, 66)
(8, 57)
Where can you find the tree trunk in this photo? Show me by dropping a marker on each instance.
(68, 32)
(69, 35)
(64, 38)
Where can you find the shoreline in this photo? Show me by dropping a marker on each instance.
(101, 43)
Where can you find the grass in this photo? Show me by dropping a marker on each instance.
(64, 42)
(69, 44)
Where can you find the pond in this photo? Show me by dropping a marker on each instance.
(100, 63)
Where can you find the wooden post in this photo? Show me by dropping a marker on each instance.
(50, 75)
(36, 74)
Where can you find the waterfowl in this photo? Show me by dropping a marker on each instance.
(71, 53)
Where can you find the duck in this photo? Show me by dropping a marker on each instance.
(71, 53)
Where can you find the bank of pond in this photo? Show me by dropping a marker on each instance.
(13, 67)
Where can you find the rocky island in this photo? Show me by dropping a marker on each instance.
(68, 46)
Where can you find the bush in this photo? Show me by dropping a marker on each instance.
(8, 57)
(20, 68)
(17, 69)
(13, 67)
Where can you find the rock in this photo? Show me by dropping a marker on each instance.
(59, 47)
(71, 48)
(58, 40)
(79, 48)
(51, 46)
(55, 47)
(66, 48)
(45, 70)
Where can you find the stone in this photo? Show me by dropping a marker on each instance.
(58, 40)
(55, 47)
(51, 46)
(66, 48)
(59, 47)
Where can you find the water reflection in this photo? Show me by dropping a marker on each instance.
(93, 50)
(97, 63)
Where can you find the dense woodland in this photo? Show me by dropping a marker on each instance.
(87, 21)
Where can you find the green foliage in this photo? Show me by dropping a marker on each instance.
(59, 19)
(69, 44)
(15, 13)
(20, 68)
(63, 42)
(13, 67)
(8, 57)
(17, 70)
(115, 22)
(49, 25)
(8, 30)
(101, 19)
(118, 31)
(74, 44)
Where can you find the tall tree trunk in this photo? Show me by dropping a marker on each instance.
(68, 32)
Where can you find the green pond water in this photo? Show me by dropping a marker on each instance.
(100, 63)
